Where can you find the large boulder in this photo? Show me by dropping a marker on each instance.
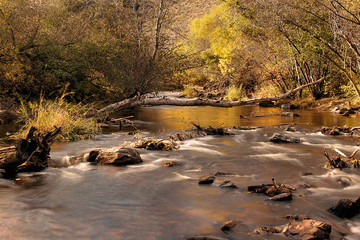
(119, 157)
(346, 208)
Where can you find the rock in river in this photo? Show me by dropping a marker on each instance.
(119, 157)
(228, 184)
(279, 138)
(206, 179)
(346, 208)
(169, 164)
(308, 229)
(228, 226)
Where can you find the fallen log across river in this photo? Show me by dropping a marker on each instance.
(147, 101)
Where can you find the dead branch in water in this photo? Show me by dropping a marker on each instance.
(30, 154)
(337, 159)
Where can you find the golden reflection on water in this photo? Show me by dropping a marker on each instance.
(170, 118)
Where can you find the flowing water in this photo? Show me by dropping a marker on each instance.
(148, 201)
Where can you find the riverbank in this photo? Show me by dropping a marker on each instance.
(345, 107)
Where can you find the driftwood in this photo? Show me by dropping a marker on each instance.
(274, 190)
(30, 154)
(141, 100)
(337, 159)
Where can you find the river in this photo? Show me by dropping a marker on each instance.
(148, 201)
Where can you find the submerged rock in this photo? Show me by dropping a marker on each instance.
(346, 208)
(223, 174)
(279, 138)
(206, 179)
(288, 106)
(169, 164)
(120, 157)
(291, 129)
(228, 184)
(290, 114)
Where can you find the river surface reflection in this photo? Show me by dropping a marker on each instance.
(148, 201)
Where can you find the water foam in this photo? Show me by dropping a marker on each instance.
(277, 157)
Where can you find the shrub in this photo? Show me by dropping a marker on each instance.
(267, 89)
(235, 93)
(46, 114)
(190, 92)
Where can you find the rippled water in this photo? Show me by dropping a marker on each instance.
(147, 201)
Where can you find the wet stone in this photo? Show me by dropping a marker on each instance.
(305, 185)
(228, 226)
(290, 114)
(223, 174)
(346, 208)
(288, 106)
(290, 129)
(308, 229)
(120, 157)
(345, 181)
(264, 229)
(228, 184)
(206, 179)
(297, 217)
(169, 164)
(279, 138)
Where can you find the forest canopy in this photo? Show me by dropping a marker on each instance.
(119, 48)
